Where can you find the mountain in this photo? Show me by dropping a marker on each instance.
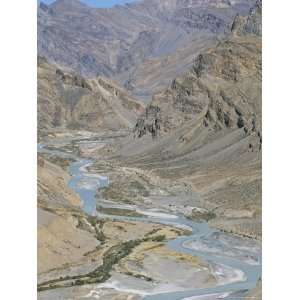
(68, 100)
(222, 91)
(205, 128)
(121, 42)
(250, 24)
(194, 150)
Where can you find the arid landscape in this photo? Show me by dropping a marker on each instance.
(149, 150)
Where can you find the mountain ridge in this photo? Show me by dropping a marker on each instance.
(221, 69)
(117, 42)
(68, 100)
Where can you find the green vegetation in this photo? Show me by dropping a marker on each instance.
(96, 224)
(139, 276)
(158, 238)
(118, 211)
(113, 193)
(152, 232)
(202, 216)
(126, 191)
(102, 273)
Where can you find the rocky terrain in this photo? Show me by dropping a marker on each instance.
(121, 42)
(68, 100)
(221, 91)
(192, 156)
(205, 129)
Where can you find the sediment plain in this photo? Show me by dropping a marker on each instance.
(121, 251)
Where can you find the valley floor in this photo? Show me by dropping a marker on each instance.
(139, 241)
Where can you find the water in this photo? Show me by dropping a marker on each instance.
(79, 175)
(200, 230)
(86, 184)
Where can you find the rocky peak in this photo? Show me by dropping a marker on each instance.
(72, 79)
(251, 24)
(122, 42)
(149, 122)
(209, 96)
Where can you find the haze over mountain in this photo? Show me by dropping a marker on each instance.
(124, 41)
(95, 3)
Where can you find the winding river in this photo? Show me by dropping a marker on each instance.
(200, 232)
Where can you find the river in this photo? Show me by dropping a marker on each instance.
(216, 251)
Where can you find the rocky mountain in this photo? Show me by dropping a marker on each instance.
(205, 129)
(121, 42)
(250, 24)
(193, 152)
(221, 91)
(67, 100)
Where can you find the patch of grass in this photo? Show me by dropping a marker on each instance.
(114, 194)
(101, 273)
(125, 192)
(118, 211)
(158, 238)
(95, 223)
(139, 276)
(155, 230)
(202, 216)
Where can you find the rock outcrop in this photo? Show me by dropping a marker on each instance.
(70, 101)
(222, 91)
(149, 122)
(250, 24)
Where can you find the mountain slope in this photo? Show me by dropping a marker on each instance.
(121, 42)
(205, 130)
(67, 100)
(60, 241)
(222, 91)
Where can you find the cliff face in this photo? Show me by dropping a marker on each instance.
(222, 91)
(250, 24)
(68, 100)
(211, 91)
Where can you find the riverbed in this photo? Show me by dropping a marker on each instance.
(237, 260)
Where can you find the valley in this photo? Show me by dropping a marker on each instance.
(156, 238)
(142, 45)
(149, 150)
